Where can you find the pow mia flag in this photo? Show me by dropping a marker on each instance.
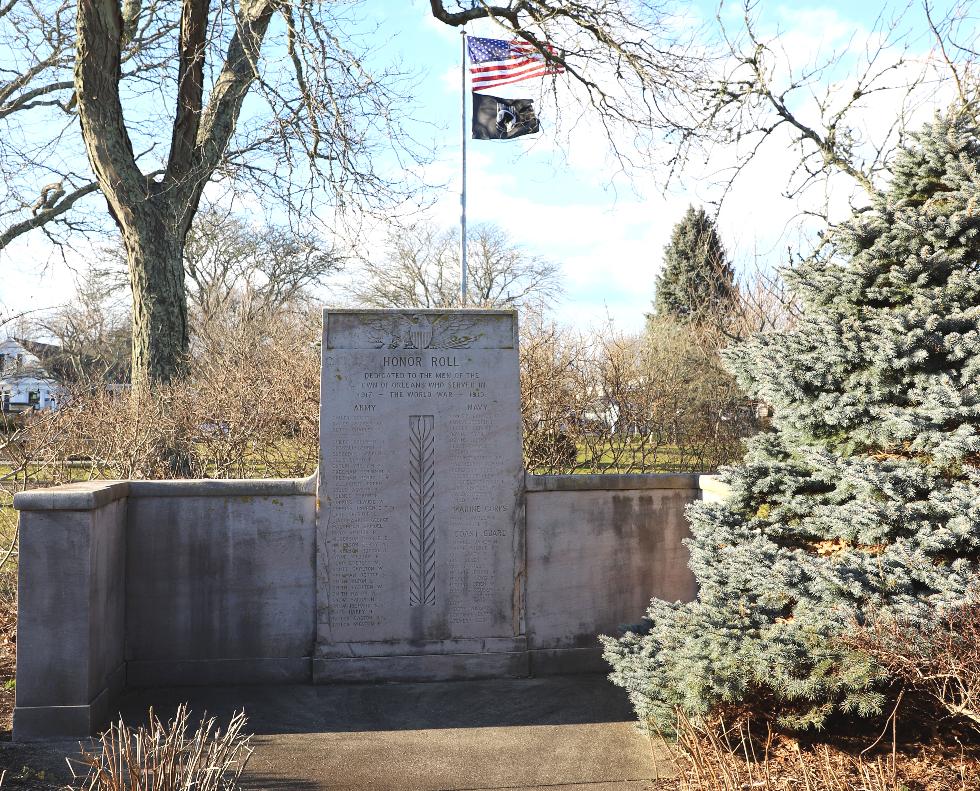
(502, 119)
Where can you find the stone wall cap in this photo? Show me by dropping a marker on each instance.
(713, 484)
(619, 482)
(83, 496)
(221, 487)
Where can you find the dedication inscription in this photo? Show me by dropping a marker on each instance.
(420, 534)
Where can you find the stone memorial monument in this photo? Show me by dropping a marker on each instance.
(420, 535)
(421, 552)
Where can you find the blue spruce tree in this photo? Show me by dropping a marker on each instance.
(865, 496)
(697, 283)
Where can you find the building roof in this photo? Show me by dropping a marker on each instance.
(68, 367)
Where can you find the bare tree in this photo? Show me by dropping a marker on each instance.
(757, 94)
(421, 269)
(765, 304)
(44, 177)
(320, 107)
(734, 85)
(236, 273)
(91, 331)
(315, 113)
(323, 108)
(626, 61)
(253, 272)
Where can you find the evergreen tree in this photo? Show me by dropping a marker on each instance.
(865, 497)
(696, 283)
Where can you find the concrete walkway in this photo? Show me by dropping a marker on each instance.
(550, 733)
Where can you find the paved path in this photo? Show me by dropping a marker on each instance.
(559, 732)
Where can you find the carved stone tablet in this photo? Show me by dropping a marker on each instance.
(420, 539)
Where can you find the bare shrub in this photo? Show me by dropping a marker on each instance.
(258, 403)
(765, 304)
(656, 402)
(552, 360)
(248, 409)
(939, 657)
(163, 757)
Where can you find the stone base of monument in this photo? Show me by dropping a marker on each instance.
(430, 660)
(420, 531)
(428, 667)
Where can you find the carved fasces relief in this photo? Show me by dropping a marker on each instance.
(422, 528)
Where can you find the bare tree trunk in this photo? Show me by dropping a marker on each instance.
(155, 251)
(152, 215)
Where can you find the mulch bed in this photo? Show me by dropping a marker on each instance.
(912, 758)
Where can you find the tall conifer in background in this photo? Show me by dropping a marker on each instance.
(864, 499)
(696, 282)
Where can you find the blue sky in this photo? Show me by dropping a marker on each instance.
(607, 232)
(558, 194)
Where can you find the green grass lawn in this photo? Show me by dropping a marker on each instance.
(615, 456)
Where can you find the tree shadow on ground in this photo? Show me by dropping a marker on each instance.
(341, 708)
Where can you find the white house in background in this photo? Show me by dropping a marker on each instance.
(24, 382)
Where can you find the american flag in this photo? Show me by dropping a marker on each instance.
(497, 62)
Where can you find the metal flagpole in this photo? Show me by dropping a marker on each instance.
(462, 194)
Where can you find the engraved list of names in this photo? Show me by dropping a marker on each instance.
(420, 479)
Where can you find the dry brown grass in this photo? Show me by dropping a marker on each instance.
(716, 757)
(165, 756)
(8, 660)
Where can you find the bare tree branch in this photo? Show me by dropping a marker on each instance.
(190, 88)
(46, 215)
(39, 140)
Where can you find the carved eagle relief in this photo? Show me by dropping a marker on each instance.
(419, 331)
